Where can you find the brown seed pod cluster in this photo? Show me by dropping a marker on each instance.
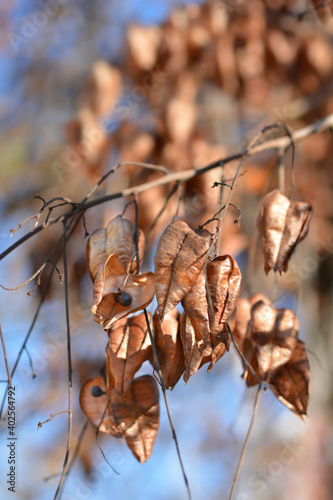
(206, 288)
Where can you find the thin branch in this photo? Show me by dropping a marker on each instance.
(282, 171)
(35, 275)
(34, 375)
(39, 307)
(9, 377)
(136, 234)
(278, 143)
(243, 357)
(69, 364)
(76, 451)
(168, 198)
(97, 440)
(36, 216)
(160, 376)
(23, 347)
(242, 456)
(52, 415)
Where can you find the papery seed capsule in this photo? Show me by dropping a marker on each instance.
(96, 391)
(123, 298)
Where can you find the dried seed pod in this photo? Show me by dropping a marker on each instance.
(97, 407)
(290, 383)
(180, 256)
(128, 347)
(134, 415)
(109, 304)
(117, 238)
(169, 347)
(282, 225)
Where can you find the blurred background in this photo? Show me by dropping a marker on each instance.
(85, 85)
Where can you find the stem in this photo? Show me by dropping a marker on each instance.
(69, 364)
(160, 376)
(242, 456)
(5, 358)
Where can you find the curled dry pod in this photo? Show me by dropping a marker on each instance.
(243, 316)
(195, 349)
(128, 347)
(117, 238)
(223, 283)
(268, 340)
(169, 348)
(94, 407)
(224, 279)
(274, 335)
(107, 306)
(290, 383)
(282, 225)
(180, 256)
(138, 415)
(243, 335)
(134, 415)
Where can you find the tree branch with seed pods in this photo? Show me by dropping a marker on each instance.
(197, 293)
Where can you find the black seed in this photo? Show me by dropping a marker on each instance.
(96, 391)
(123, 298)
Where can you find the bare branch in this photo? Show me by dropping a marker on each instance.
(242, 456)
(52, 415)
(160, 376)
(70, 384)
(278, 144)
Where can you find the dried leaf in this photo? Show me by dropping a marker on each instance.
(180, 256)
(128, 347)
(282, 225)
(94, 407)
(291, 382)
(169, 348)
(137, 415)
(111, 283)
(117, 238)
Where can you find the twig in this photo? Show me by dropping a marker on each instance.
(160, 376)
(69, 364)
(180, 198)
(30, 363)
(279, 143)
(242, 456)
(23, 347)
(282, 172)
(36, 274)
(168, 198)
(243, 357)
(76, 451)
(52, 415)
(9, 377)
(47, 285)
(98, 443)
(136, 234)
(36, 216)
